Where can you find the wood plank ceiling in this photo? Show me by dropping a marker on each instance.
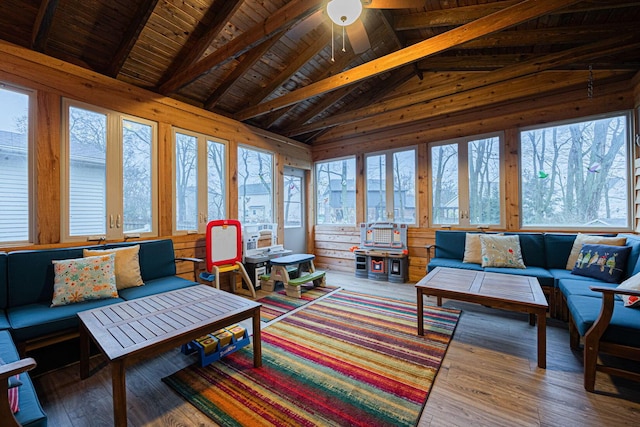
(269, 62)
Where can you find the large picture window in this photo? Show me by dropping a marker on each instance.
(336, 192)
(576, 174)
(391, 184)
(200, 171)
(255, 186)
(109, 174)
(14, 165)
(466, 183)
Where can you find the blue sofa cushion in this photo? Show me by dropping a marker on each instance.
(30, 413)
(559, 249)
(31, 274)
(155, 286)
(4, 321)
(532, 246)
(3, 281)
(544, 277)
(633, 266)
(604, 262)
(580, 286)
(38, 319)
(452, 263)
(450, 244)
(623, 328)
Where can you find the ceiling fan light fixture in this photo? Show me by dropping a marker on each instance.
(344, 12)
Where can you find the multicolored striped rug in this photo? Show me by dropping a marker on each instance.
(349, 359)
(278, 303)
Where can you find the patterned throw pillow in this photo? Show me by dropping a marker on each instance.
(127, 265)
(582, 239)
(632, 283)
(84, 279)
(603, 262)
(501, 251)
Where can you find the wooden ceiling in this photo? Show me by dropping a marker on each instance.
(269, 62)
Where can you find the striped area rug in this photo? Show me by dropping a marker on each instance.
(278, 303)
(349, 359)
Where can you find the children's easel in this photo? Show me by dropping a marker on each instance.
(224, 253)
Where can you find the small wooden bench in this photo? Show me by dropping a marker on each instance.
(283, 268)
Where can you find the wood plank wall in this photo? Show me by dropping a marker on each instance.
(52, 80)
(333, 243)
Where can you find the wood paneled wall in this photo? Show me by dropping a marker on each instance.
(52, 80)
(333, 243)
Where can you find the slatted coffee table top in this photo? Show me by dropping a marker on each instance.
(123, 328)
(498, 286)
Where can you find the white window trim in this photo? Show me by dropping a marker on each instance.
(274, 207)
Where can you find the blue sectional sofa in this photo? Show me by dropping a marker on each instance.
(590, 305)
(27, 320)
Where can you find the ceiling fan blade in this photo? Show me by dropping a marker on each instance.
(393, 4)
(358, 37)
(303, 27)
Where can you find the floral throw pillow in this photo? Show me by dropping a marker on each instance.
(84, 279)
(632, 283)
(127, 265)
(603, 262)
(501, 251)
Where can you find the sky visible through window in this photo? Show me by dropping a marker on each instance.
(12, 107)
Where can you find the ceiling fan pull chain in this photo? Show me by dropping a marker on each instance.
(343, 37)
(333, 59)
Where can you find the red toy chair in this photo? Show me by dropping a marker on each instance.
(224, 253)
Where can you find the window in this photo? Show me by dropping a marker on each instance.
(200, 170)
(336, 192)
(576, 174)
(391, 199)
(292, 201)
(255, 186)
(466, 182)
(14, 165)
(109, 174)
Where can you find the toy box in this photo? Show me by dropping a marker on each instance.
(213, 346)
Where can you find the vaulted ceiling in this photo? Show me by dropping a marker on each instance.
(279, 64)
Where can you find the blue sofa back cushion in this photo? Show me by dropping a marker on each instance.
(603, 262)
(532, 247)
(3, 280)
(633, 266)
(450, 244)
(31, 274)
(559, 249)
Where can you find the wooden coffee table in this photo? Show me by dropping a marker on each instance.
(507, 291)
(141, 328)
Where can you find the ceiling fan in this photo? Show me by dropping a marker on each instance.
(346, 14)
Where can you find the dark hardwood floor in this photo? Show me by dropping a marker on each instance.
(489, 377)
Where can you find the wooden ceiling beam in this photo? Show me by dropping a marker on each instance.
(42, 24)
(250, 59)
(505, 18)
(217, 17)
(299, 61)
(129, 39)
(277, 22)
(461, 15)
(534, 65)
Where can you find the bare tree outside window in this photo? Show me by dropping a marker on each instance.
(335, 192)
(255, 186)
(576, 175)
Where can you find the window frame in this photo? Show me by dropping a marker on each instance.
(114, 180)
(629, 173)
(315, 199)
(32, 178)
(389, 183)
(464, 203)
(202, 179)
